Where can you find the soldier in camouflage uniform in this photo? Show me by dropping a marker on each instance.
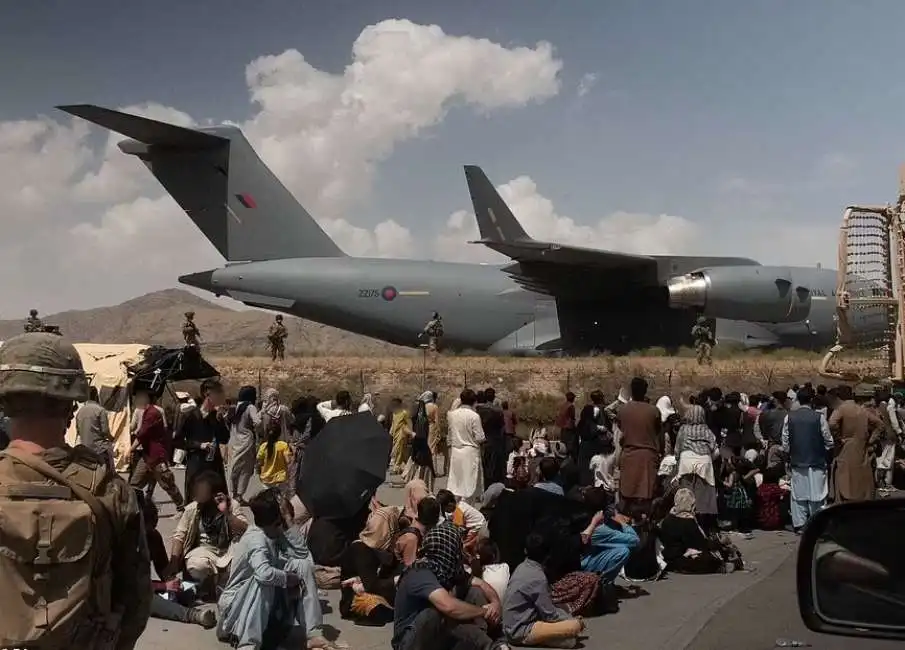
(190, 331)
(703, 341)
(33, 323)
(276, 339)
(100, 595)
(434, 332)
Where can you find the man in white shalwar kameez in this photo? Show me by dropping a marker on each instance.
(806, 439)
(465, 436)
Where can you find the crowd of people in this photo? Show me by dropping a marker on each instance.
(532, 531)
(528, 537)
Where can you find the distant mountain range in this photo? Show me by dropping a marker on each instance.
(156, 318)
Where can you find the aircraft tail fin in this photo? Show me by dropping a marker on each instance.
(495, 220)
(215, 175)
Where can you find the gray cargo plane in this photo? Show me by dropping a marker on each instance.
(551, 298)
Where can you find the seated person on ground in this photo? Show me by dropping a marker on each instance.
(433, 608)
(204, 535)
(486, 565)
(608, 545)
(409, 540)
(686, 548)
(162, 607)
(271, 584)
(368, 568)
(462, 514)
(646, 561)
(529, 616)
(548, 475)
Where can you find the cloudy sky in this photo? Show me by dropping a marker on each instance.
(662, 127)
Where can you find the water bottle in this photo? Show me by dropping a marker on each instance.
(211, 452)
(790, 643)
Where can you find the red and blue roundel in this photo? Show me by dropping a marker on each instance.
(389, 293)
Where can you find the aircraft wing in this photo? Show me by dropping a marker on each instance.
(554, 269)
(541, 266)
(549, 253)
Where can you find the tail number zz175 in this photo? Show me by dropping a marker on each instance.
(369, 293)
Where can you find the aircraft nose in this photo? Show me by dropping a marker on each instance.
(201, 280)
(687, 291)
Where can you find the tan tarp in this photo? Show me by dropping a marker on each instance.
(106, 366)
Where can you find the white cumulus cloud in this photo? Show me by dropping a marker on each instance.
(621, 231)
(586, 83)
(92, 226)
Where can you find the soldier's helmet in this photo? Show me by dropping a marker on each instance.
(33, 312)
(190, 315)
(701, 320)
(279, 318)
(436, 315)
(42, 364)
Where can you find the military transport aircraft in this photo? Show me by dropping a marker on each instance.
(551, 298)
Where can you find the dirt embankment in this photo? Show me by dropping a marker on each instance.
(537, 385)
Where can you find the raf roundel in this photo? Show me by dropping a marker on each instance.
(389, 293)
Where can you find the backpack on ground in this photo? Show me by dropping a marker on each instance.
(54, 553)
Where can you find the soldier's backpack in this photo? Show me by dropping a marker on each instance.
(55, 542)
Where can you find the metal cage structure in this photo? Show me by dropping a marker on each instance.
(869, 300)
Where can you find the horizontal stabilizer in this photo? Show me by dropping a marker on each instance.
(143, 129)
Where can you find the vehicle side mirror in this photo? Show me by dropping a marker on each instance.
(851, 570)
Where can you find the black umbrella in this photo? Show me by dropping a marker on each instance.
(343, 466)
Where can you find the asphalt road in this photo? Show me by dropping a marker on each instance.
(738, 611)
(766, 612)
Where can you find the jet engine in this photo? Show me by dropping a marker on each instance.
(765, 294)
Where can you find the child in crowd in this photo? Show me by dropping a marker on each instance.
(463, 515)
(274, 459)
(530, 618)
(486, 565)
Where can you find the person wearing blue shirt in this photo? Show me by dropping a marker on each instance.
(608, 545)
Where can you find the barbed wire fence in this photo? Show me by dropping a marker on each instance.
(541, 383)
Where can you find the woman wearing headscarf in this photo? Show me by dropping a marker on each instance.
(415, 490)
(246, 421)
(595, 436)
(434, 435)
(367, 404)
(303, 424)
(668, 417)
(366, 570)
(421, 462)
(686, 549)
(695, 449)
(401, 433)
(274, 414)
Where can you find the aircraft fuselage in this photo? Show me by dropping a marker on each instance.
(386, 299)
(482, 307)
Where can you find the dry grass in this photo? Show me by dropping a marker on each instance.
(536, 385)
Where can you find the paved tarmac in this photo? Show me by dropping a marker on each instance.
(739, 611)
(768, 611)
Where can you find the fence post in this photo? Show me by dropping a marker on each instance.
(568, 379)
(361, 380)
(423, 367)
(464, 378)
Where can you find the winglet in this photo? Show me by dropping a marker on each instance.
(495, 220)
(143, 129)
